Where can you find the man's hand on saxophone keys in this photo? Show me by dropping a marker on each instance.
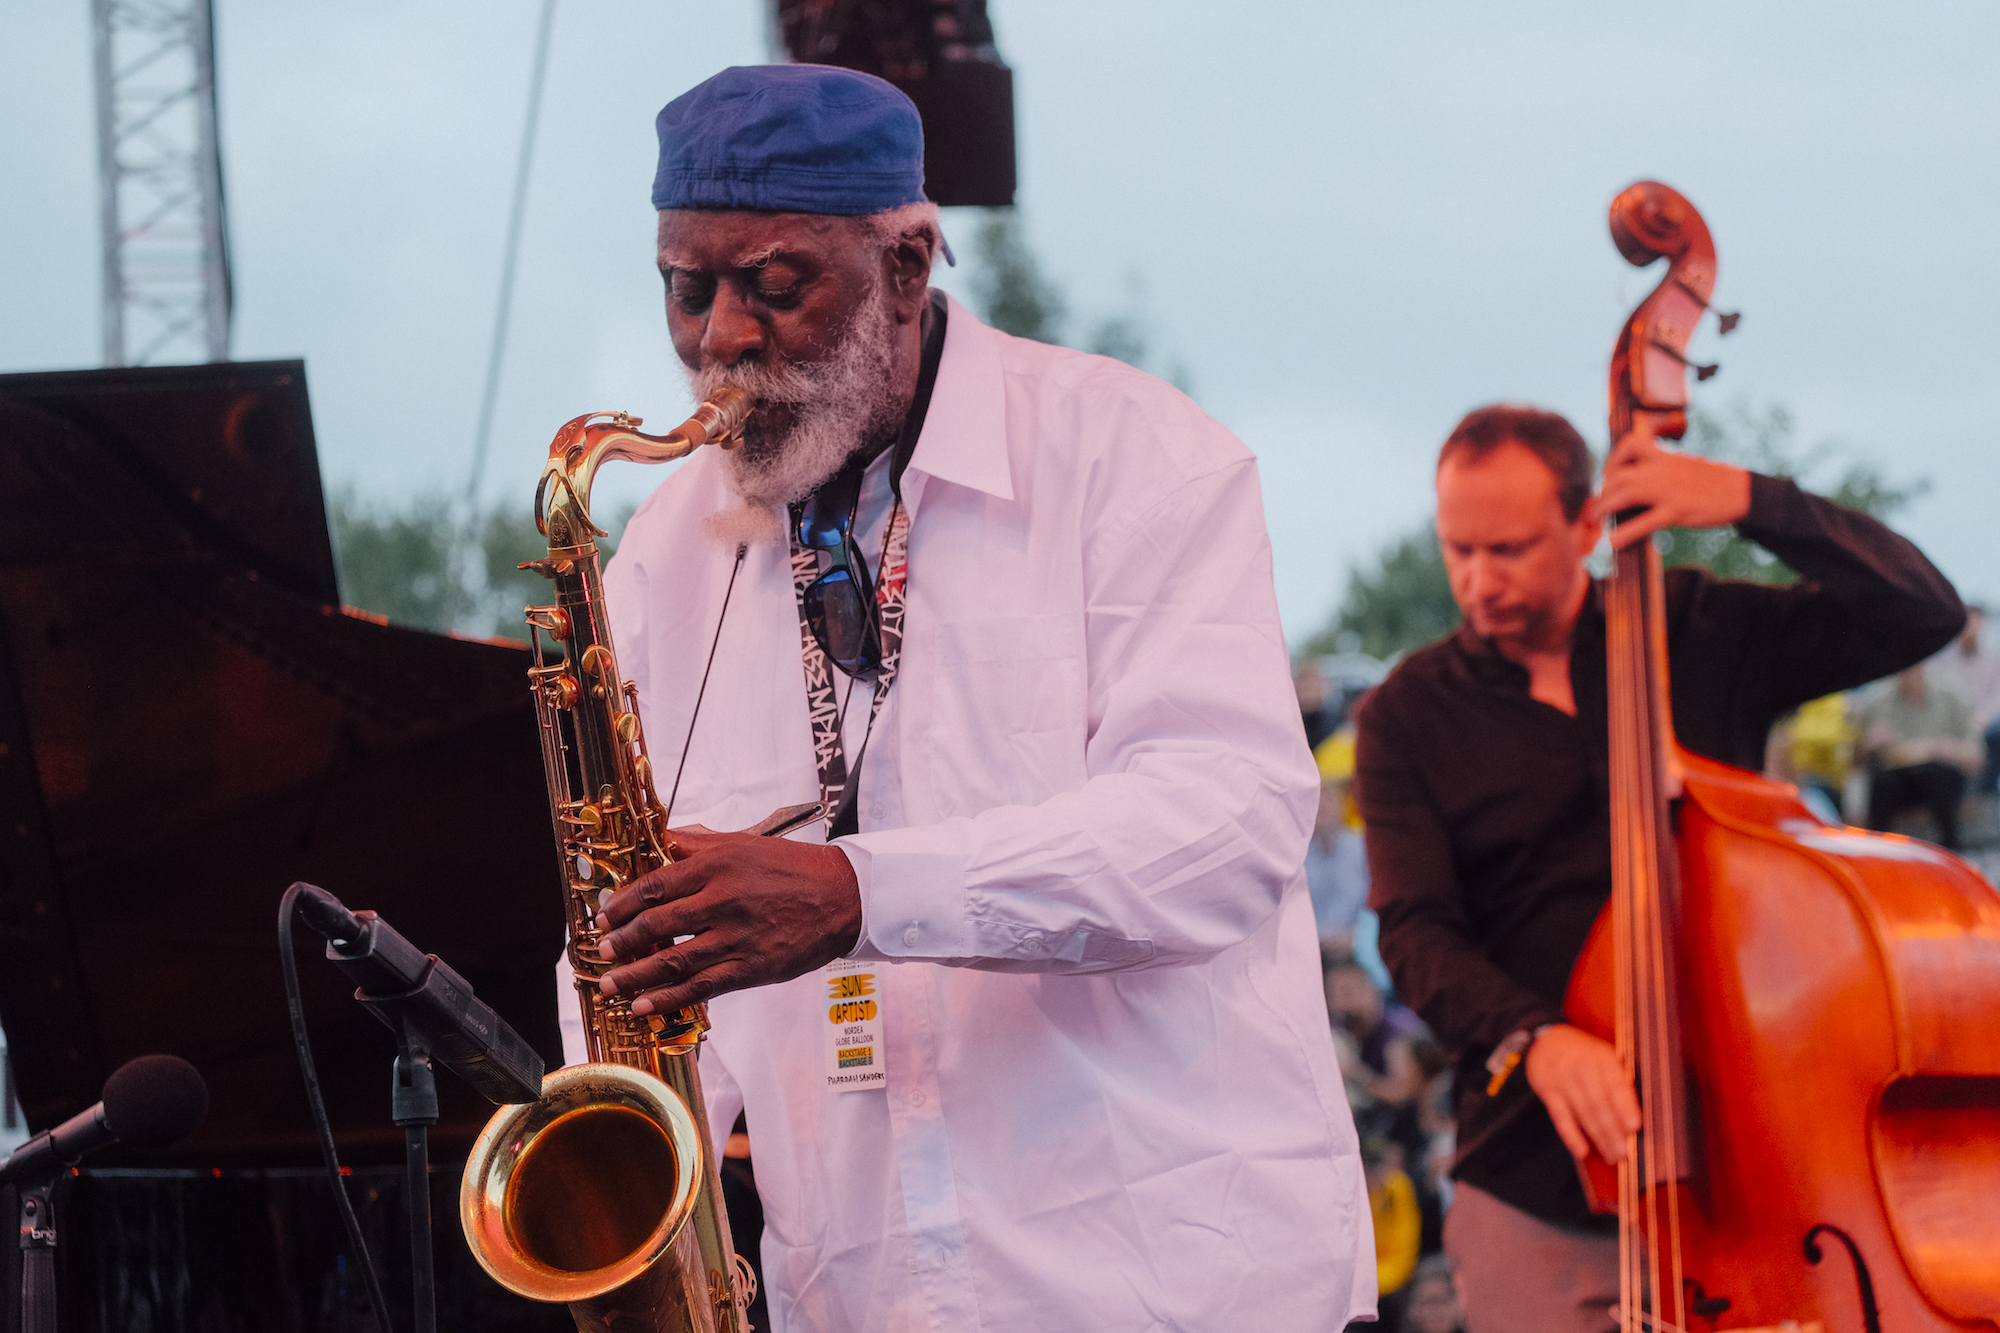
(754, 910)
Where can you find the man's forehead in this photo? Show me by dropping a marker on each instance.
(1510, 473)
(703, 239)
(1505, 497)
(1509, 462)
(753, 256)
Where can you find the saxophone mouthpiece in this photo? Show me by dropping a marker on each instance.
(719, 419)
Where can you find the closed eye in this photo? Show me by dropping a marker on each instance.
(775, 284)
(691, 291)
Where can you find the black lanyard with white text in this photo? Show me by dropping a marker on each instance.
(842, 816)
(822, 698)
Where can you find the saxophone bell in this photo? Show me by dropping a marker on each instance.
(583, 1198)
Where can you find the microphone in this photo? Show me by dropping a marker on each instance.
(151, 1102)
(417, 993)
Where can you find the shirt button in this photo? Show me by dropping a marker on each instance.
(878, 811)
(911, 936)
(916, 1096)
(1033, 942)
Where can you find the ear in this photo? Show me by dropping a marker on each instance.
(907, 269)
(1588, 529)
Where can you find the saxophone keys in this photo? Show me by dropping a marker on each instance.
(627, 726)
(563, 691)
(597, 660)
(551, 619)
(642, 771)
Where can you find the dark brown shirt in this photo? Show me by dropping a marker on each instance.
(1489, 840)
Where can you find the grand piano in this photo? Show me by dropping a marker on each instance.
(189, 721)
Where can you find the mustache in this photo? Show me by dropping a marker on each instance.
(810, 417)
(780, 396)
(782, 383)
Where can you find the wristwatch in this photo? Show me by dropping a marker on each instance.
(1508, 1054)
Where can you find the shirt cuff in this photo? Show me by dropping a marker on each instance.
(1774, 505)
(912, 884)
(859, 864)
(918, 902)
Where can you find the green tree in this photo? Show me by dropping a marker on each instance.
(422, 564)
(1016, 297)
(1013, 294)
(1765, 440)
(1403, 599)
(396, 561)
(506, 537)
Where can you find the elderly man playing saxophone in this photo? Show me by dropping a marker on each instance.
(1007, 610)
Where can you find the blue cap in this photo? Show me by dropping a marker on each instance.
(791, 139)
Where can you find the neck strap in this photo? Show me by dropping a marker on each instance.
(836, 788)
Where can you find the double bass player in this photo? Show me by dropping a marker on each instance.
(1481, 773)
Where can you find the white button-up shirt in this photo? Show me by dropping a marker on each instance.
(1112, 1100)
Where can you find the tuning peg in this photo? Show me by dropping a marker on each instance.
(1700, 372)
(1726, 319)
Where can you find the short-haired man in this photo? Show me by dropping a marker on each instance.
(1921, 746)
(1482, 776)
(1973, 674)
(1092, 1084)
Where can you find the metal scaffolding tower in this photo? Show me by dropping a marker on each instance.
(166, 241)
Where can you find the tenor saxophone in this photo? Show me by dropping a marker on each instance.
(604, 1194)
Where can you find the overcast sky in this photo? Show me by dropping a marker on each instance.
(1350, 223)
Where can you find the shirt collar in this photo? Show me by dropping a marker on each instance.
(934, 322)
(1489, 664)
(964, 438)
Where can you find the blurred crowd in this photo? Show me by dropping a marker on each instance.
(1914, 754)
(1918, 753)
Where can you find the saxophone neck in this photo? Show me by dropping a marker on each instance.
(588, 442)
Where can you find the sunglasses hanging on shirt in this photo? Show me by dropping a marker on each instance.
(839, 605)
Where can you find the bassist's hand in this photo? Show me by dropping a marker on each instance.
(1580, 1080)
(1668, 488)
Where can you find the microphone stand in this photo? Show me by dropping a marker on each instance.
(413, 1102)
(433, 1012)
(32, 1207)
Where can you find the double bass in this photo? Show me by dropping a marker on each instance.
(1811, 1013)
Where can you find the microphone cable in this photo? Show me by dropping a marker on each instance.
(320, 1121)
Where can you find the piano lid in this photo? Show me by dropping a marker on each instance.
(188, 723)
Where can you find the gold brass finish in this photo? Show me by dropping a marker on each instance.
(551, 618)
(604, 1194)
(549, 1222)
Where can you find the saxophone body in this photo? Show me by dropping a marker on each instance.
(605, 1194)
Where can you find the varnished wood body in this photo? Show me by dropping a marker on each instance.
(1840, 1019)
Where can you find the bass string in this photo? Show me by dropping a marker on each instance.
(1645, 1014)
(1628, 1030)
(1667, 1081)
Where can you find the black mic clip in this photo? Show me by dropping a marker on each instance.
(431, 1009)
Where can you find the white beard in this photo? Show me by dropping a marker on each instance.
(839, 405)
